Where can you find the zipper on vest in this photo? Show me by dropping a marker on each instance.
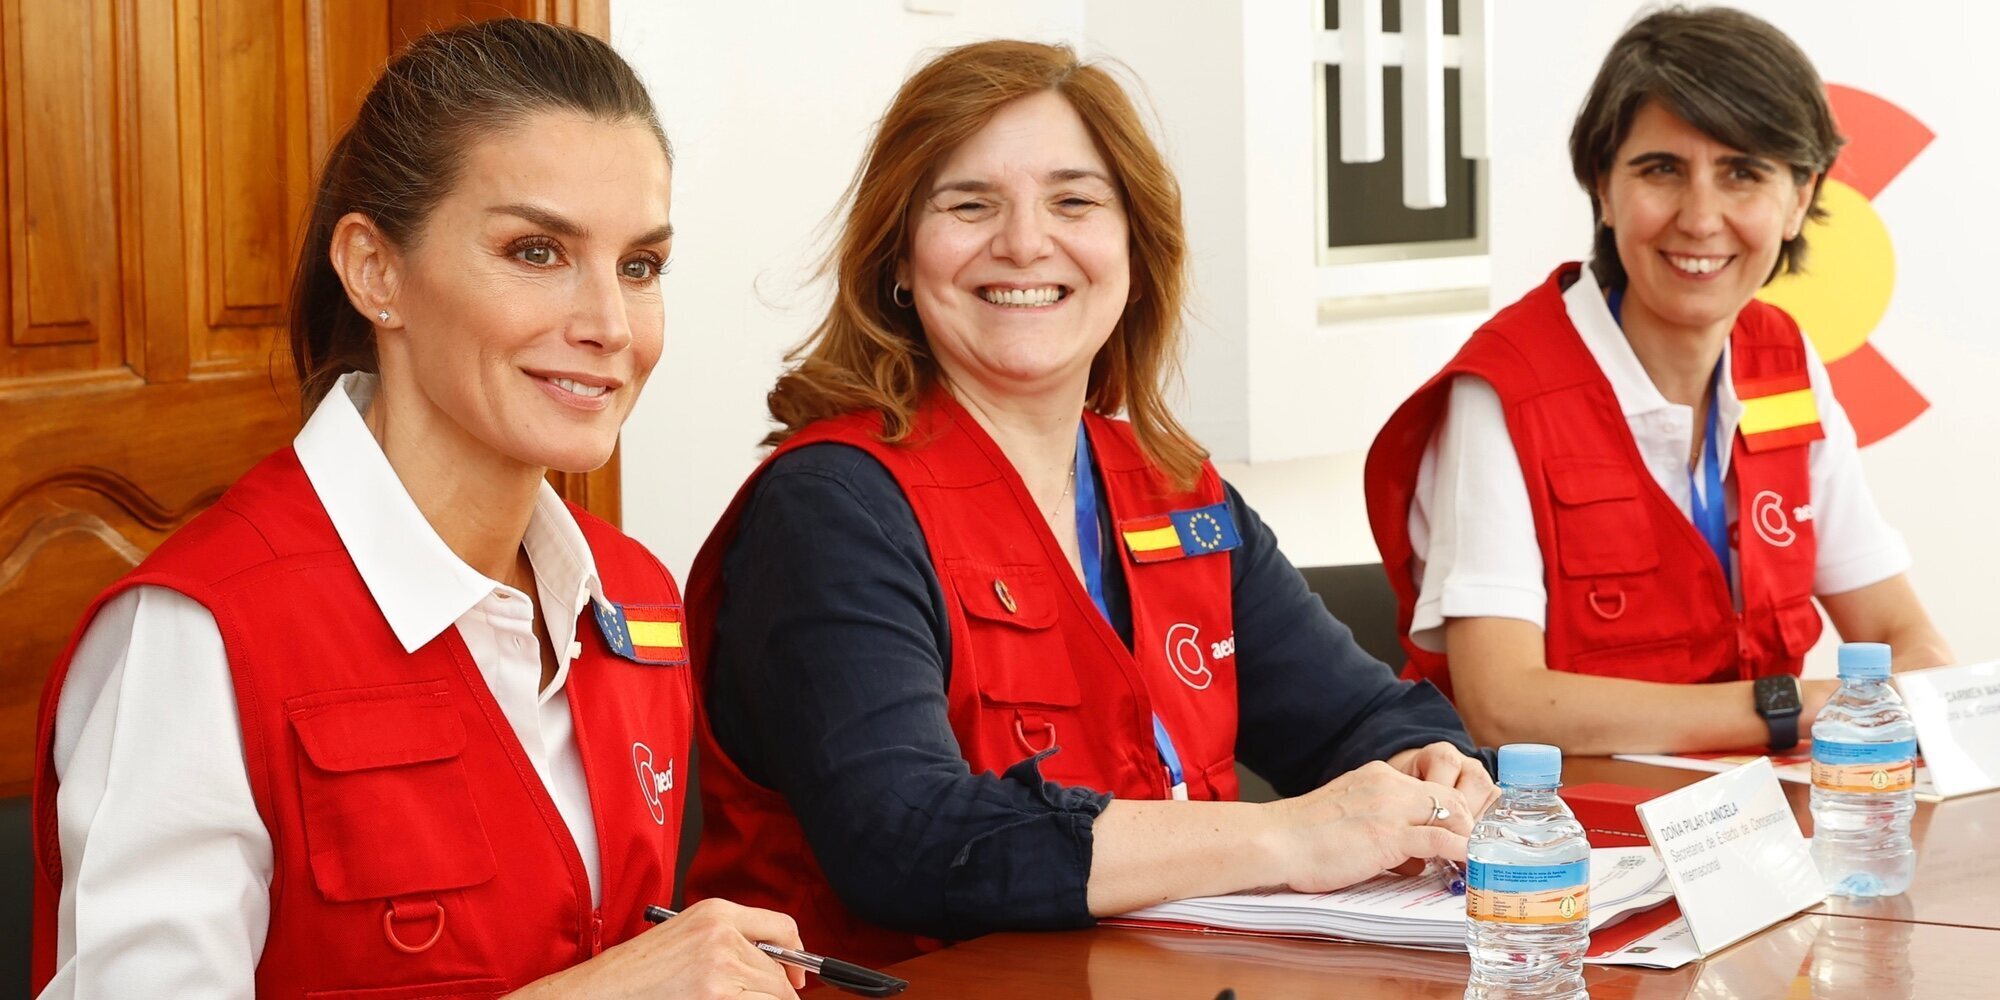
(596, 931)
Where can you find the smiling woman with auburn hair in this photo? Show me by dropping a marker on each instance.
(963, 605)
(870, 354)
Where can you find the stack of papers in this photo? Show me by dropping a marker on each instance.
(1409, 911)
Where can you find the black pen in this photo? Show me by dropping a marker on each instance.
(834, 972)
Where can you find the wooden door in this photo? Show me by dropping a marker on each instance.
(158, 157)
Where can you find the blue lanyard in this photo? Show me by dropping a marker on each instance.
(1089, 540)
(1707, 508)
(1090, 552)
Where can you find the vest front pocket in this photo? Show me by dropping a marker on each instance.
(1602, 526)
(387, 808)
(1019, 660)
(1018, 656)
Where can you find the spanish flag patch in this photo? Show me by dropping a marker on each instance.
(1179, 534)
(1778, 412)
(644, 633)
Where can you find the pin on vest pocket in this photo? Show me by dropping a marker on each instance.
(1006, 597)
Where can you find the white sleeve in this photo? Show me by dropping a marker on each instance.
(1471, 525)
(1856, 546)
(166, 864)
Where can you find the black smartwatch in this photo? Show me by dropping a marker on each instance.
(1778, 702)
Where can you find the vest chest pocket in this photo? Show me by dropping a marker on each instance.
(388, 810)
(1019, 657)
(1602, 525)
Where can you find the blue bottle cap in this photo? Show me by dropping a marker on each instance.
(1530, 764)
(1864, 661)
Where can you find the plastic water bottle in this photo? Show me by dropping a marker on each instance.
(1527, 899)
(1864, 780)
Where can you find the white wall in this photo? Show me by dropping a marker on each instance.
(1197, 101)
(768, 104)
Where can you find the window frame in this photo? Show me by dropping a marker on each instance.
(1414, 267)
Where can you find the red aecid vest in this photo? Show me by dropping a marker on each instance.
(1633, 590)
(416, 852)
(1034, 665)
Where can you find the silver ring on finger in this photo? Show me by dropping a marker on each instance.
(1438, 812)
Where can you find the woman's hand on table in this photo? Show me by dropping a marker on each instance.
(1372, 819)
(707, 952)
(1444, 764)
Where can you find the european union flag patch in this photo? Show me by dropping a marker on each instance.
(644, 633)
(1179, 534)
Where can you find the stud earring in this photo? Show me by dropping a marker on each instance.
(382, 315)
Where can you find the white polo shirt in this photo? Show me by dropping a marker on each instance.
(167, 866)
(1473, 530)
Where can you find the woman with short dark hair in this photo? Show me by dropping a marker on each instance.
(391, 719)
(1607, 518)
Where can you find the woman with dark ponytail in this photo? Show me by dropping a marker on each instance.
(390, 719)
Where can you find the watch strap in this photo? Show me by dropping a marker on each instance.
(1783, 725)
(1784, 730)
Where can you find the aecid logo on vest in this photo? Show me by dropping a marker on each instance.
(1767, 516)
(654, 785)
(1184, 654)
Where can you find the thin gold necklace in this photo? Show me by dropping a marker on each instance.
(1067, 484)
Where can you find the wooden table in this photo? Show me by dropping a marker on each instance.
(1816, 955)
(1939, 940)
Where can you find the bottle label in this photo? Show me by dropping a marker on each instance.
(1864, 767)
(1527, 894)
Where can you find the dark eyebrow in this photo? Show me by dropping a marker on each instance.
(1756, 163)
(663, 234)
(569, 230)
(541, 217)
(1648, 159)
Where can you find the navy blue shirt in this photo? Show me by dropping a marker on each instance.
(830, 666)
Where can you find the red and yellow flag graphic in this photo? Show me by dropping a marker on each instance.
(656, 632)
(1851, 269)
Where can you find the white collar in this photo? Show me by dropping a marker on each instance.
(1637, 395)
(420, 585)
(1609, 347)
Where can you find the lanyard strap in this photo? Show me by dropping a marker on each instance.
(1707, 508)
(1089, 538)
(1090, 552)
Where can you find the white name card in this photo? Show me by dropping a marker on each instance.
(1734, 854)
(1957, 712)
